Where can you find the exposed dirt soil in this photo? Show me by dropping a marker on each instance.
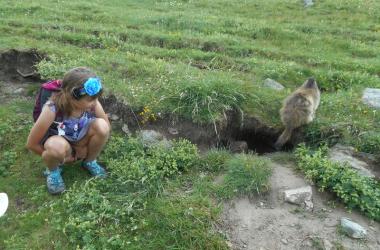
(18, 66)
(17, 73)
(270, 223)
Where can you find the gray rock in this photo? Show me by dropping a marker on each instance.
(340, 154)
(300, 196)
(126, 130)
(371, 97)
(270, 83)
(152, 137)
(18, 91)
(114, 117)
(352, 229)
(173, 131)
(284, 241)
(308, 3)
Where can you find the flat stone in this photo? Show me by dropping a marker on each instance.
(126, 130)
(300, 196)
(340, 154)
(114, 117)
(309, 205)
(270, 83)
(308, 3)
(173, 131)
(18, 91)
(284, 241)
(352, 229)
(371, 97)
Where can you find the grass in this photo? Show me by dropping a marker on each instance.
(245, 175)
(145, 201)
(159, 46)
(194, 59)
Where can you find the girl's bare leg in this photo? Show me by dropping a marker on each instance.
(91, 145)
(57, 149)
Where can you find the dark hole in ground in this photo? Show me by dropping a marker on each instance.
(261, 141)
(17, 66)
(257, 141)
(258, 136)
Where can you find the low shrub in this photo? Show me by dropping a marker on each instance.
(106, 213)
(354, 190)
(129, 160)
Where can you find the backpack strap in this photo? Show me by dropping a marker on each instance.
(53, 85)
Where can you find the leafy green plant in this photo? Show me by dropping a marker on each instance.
(55, 67)
(99, 214)
(5, 128)
(368, 142)
(8, 158)
(103, 213)
(130, 161)
(354, 190)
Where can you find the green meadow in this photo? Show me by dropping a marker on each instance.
(193, 59)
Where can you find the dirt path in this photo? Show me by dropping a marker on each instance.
(10, 92)
(269, 223)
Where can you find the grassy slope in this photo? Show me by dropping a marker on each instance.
(139, 46)
(145, 50)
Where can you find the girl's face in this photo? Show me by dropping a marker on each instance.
(84, 103)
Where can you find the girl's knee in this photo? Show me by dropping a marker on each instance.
(56, 148)
(101, 127)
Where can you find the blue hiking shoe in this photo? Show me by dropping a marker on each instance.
(47, 171)
(95, 169)
(55, 182)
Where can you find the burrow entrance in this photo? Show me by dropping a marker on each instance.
(235, 133)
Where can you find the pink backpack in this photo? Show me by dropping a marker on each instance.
(46, 90)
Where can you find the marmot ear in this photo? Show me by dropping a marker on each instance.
(310, 83)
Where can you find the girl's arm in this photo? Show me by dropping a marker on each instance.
(99, 113)
(39, 129)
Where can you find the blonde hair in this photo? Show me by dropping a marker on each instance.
(74, 78)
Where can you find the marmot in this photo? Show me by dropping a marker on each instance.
(298, 109)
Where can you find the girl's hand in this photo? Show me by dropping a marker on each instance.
(69, 159)
(80, 152)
